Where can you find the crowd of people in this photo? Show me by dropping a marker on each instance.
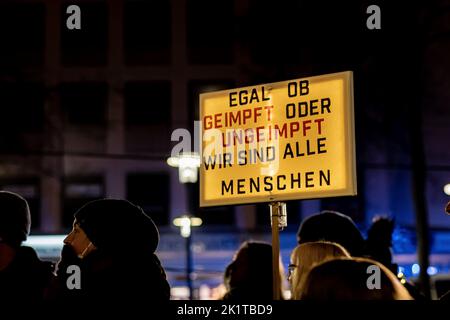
(110, 256)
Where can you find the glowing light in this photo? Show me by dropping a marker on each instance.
(415, 268)
(403, 281)
(45, 241)
(447, 189)
(185, 223)
(187, 164)
(432, 270)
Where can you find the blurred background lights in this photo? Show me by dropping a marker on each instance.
(415, 269)
(185, 223)
(188, 164)
(447, 189)
(432, 270)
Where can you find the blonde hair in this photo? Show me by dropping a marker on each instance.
(307, 255)
(346, 279)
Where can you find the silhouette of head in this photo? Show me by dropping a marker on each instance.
(15, 220)
(333, 227)
(115, 225)
(252, 261)
(379, 241)
(249, 275)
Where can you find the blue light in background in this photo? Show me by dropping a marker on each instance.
(415, 269)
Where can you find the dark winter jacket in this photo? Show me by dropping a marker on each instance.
(136, 278)
(25, 279)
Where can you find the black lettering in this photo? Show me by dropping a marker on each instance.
(290, 110)
(254, 185)
(243, 99)
(254, 95)
(313, 107)
(292, 89)
(281, 187)
(326, 178)
(242, 157)
(320, 145)
(210, 162)
(264, 98)
(257, 156)
(304, 87)
(293, 180)
(309, 179)
(297, 150)
(240, 186)
(308, 148)
(288, 151)
(326, 103)
(233, 99)
(228, 188)
(302, 112)
(227, 159)
(268, 184)
(270, 155)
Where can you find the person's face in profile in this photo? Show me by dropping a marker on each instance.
(239, 268)
(79, 241)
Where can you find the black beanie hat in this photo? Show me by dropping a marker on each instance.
(334, 227)
(15, 220)
(113, 224)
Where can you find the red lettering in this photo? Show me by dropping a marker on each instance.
(305, 127)
(218, 120)
(319, 125)
(207, 124)
(294, 125)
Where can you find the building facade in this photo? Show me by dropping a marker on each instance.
(89, 113)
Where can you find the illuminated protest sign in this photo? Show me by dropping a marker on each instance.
(278, 141)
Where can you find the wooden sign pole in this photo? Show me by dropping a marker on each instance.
(278, 221)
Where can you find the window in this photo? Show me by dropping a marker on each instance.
(87, 46)
(29, 188)
(84, 103)
(210, 31)
(196, 87)
(214, 216)
(22, 30)
(77, 192)
(151, 192)
(147, 103)
(349, 206)
(147, 32)
(22, 107)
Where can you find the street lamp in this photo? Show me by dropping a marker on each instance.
(185, 223)
(187, 164)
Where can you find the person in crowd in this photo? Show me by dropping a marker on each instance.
(249, 276)
(113, 243)
(23, 276)
(379, 248)
(333, 227)
(352, 279)
(446, 297)
(379, 242)
(305, 256)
